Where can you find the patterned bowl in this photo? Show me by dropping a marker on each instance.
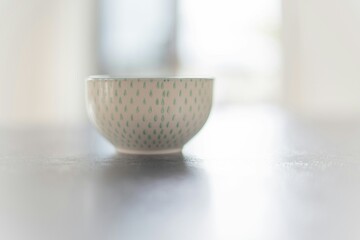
(148, 115)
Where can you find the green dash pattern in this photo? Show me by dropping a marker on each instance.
(149, 115)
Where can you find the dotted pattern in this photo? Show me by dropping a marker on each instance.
(149, 114)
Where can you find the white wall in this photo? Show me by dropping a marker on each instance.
(46, 50)
(322, 56)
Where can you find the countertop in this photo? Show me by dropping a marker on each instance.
(253, 172)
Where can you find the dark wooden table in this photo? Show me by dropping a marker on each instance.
(251, 173)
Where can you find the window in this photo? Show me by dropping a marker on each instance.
(235, 41)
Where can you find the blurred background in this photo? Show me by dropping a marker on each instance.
(258, 174)
(299, 54)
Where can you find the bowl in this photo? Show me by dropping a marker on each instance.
(148, 115)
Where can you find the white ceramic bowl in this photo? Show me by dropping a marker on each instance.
(148, 115)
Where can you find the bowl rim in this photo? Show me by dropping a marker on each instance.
(116, 78)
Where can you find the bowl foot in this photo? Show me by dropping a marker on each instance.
(149, 152)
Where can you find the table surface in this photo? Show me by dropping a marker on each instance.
(251, 173)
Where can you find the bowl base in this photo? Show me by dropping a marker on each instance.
(149, 152)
